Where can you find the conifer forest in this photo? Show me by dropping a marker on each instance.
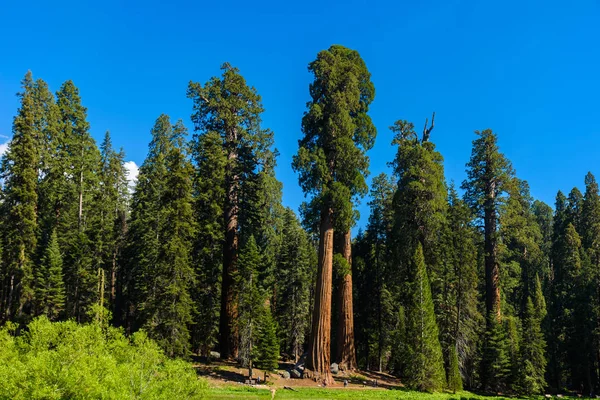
(471, 285)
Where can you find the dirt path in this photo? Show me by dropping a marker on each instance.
(225, 373)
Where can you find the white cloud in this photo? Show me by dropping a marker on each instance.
(3, 148)
(132, 172)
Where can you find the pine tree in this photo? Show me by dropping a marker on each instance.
(567, 315)
(533, 359)
(159, 272)
(332, 166)
(420, 199)
(589, 302)
(49, 283)
(488, 175)
(460, 319)
(170, 311)
(374, 312)
(19, 172)
(293, 276)
(454, 378)
(230, 108)
(209, 158)
(109, 217)
(426, 368)
(79, 163)
(251, 302)
(267, 345)
(520, 255)
(495, 363)
(147, 218)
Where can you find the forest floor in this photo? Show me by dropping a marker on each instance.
(227, 381)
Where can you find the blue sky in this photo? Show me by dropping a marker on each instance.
(527, 69)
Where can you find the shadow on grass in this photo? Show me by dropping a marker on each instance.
(226, 371)
(371, 379)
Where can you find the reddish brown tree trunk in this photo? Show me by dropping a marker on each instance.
(492, 271)
(227, 323)
(318, 363)
(346, 352)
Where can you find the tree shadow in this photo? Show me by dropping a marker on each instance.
(371, 379)
(225, 370)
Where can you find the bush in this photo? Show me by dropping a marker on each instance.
(65, 360)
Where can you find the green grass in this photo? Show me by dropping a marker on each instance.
(317, 393)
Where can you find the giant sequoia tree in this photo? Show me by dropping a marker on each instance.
(230, 110)
(332, 166)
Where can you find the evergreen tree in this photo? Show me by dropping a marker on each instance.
(575, 208)
(231, 109)
(454, 378)
(147, 218)
(495, 363)
(332, 166)
(267, 345)
(488, 173)
(170, 311)
(375, 309)
(210, 160)
(544, 215)
(420, 199)
(19, 171)
(79, 164)
(158, 255)
(533, 358)
(566, 344)
(49, 283)
(460, 319)
(589, 302)
(426, 368)
(251, 303)
(294, 278)
(109, 217)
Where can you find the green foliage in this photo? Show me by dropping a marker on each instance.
(250, 302)
(459, 317)
(19, 206)
(495, 363)
(331, 159)
(294, 273)
(488, 174)
(209, 195)
(161, 234)
(80, 161)
(425, 371)
(229, 111)
(520, 255)
(49, 284)
(533, 359)
(64, 360)
(454, 378)
(267, 345)
(374, 305)
(420, 200)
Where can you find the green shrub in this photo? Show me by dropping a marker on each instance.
(65, 360)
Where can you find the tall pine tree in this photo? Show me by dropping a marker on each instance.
(19, 171)
(226, 106)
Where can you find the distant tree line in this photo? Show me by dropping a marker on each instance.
(484, 289)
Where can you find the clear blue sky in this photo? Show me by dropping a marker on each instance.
(527, 69)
